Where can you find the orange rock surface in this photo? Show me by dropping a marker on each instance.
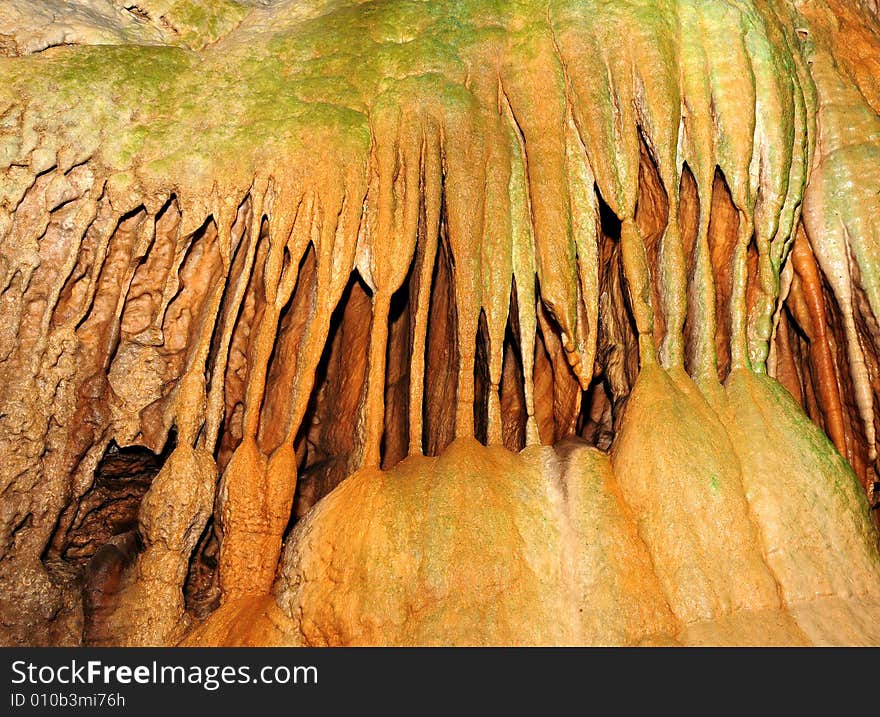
(400, 322)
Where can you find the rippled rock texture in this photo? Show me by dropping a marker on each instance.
(406, 322)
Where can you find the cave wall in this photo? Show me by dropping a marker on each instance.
(287, 242)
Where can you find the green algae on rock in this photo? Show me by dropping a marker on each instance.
(547, 232)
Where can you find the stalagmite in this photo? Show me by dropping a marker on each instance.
(440, 323)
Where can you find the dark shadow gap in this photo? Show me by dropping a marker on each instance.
(723, 236)
(689, 209)
(596, 415)
(441, 354)
(329, 439)
(97, 539)
(395, 434)
(482, 382)
(514, 415)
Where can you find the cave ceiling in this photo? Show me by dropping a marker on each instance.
(404, 322)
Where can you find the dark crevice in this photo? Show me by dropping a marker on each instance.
(482, 383)
(395, 435)
(723, 236)
(101, 541)
(514, 415)
(596, 416)
(202, 589)
(328, 440)
(609, 222)
(441, 355)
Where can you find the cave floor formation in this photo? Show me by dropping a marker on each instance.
(396, 322)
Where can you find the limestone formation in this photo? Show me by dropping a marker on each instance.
(347, 322)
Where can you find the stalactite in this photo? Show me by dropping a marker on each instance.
(471, 160)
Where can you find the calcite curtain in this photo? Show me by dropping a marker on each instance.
(404, 322)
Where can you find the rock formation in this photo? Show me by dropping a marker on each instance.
(355, 322)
